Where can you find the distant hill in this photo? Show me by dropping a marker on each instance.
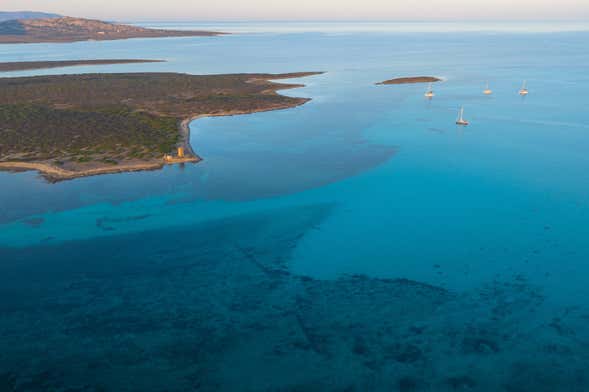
(68, 29)
(25, 15)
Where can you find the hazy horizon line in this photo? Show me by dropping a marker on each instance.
(314, 20)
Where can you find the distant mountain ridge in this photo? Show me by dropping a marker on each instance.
(11, 15)
(68, 29)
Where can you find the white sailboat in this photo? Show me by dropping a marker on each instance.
(524, 89)
(487, 90)
(430, 92)
(461, 120)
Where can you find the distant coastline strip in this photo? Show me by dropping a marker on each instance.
(33, 65)
(68, 29)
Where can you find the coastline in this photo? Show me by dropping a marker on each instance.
(185, 124)
(18, 40)
(54, 173)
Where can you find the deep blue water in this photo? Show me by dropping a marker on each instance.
(362, 241)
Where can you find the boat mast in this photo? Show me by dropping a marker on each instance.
(429, 92)
(461, 120)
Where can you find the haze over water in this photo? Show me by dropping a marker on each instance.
(363, 179)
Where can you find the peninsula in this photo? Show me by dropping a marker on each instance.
(411, 80)
(69, 126)
(30, 65)
(68, 29)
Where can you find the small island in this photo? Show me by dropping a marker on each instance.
(411, 80)
(70, 126)
(32, 65)
(69, 29)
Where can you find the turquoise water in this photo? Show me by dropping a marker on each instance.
(363, 238)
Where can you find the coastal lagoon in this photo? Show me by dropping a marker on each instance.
(361, 241)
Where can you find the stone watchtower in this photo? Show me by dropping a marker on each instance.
(180, 152)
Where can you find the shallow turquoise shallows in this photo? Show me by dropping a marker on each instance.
(362, 241)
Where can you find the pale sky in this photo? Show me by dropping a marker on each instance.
(309, 9)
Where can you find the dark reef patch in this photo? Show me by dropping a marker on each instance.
(34, 222)
(213, 307)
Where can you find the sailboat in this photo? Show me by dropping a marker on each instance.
(461, 120)
(430, 92)
(487, 90)
(524, 89)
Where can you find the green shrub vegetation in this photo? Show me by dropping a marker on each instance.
(114, 117)
(42, 132)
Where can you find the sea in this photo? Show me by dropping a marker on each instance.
(360, 242)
